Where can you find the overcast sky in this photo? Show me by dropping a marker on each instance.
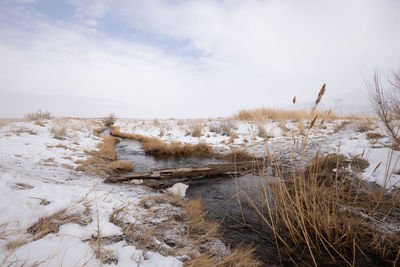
(177, 58)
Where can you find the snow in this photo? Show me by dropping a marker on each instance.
(178, 189)
(38, 180)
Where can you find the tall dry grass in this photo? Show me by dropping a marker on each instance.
(264, 114)
(320, 213)
(39, 115)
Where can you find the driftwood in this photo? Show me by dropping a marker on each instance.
(165, 176)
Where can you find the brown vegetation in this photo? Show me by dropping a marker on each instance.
(59, 132)
(157, 147)
(264, 114)
(387, 106)
(104, 160)
(323, 214)
(39, 115)
(186, 232)
(109, 120)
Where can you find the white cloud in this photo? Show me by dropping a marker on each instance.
(255, 53)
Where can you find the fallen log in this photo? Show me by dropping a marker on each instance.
(187, 173)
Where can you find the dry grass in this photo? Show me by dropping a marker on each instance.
(264, 114)
(157, 147)
(22, 130)
(326, 216)
(109, 120)
(40, 123)
(363, 125)
(121, 166)
(302, 130)
(104, 160)
(59, 132)
(196, 130)
(51, 224)
(186, 232)
(225, 127)
(261, 131)
(39, 115)
(372, 135)
(322, 214)
(341, 126)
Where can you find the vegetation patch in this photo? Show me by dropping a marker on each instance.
(39, 115)
(104, 160)
(157, 147)
(264, 114)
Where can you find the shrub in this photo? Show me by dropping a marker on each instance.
(224, 127)
(39, 115)
(261, 131)
(386, 106)
(196, 130)
(59, 132)
(109, 120)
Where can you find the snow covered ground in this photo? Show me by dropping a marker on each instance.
(38, 180)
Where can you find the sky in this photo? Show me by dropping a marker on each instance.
(183, 58)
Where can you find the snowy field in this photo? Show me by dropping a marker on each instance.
(38, 180)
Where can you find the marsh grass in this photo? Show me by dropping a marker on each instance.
(264, 114)
(320, 213)
(157, 147)
(196, 130)
(224, 127)
(104, 160)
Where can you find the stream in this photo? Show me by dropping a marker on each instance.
(237, 219)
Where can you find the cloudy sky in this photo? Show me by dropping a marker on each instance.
(183, 58)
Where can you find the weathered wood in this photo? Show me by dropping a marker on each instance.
(186, 173)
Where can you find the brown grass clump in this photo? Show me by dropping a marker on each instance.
(104, 160)
(340, 127)
(372, 135)
(109, 120)
(157, 147)
(40, 123)
(51, 224)
(59, 132)
(121, 166)
(196, 130)
(39, 115)
(363, 125)
(264, 114)
(195, 216)
(225, 127)
(22, 130)
(236, 155)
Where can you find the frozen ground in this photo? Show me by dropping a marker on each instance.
(38, 180)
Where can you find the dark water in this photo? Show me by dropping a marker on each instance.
(227, 203)
(224, 199)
